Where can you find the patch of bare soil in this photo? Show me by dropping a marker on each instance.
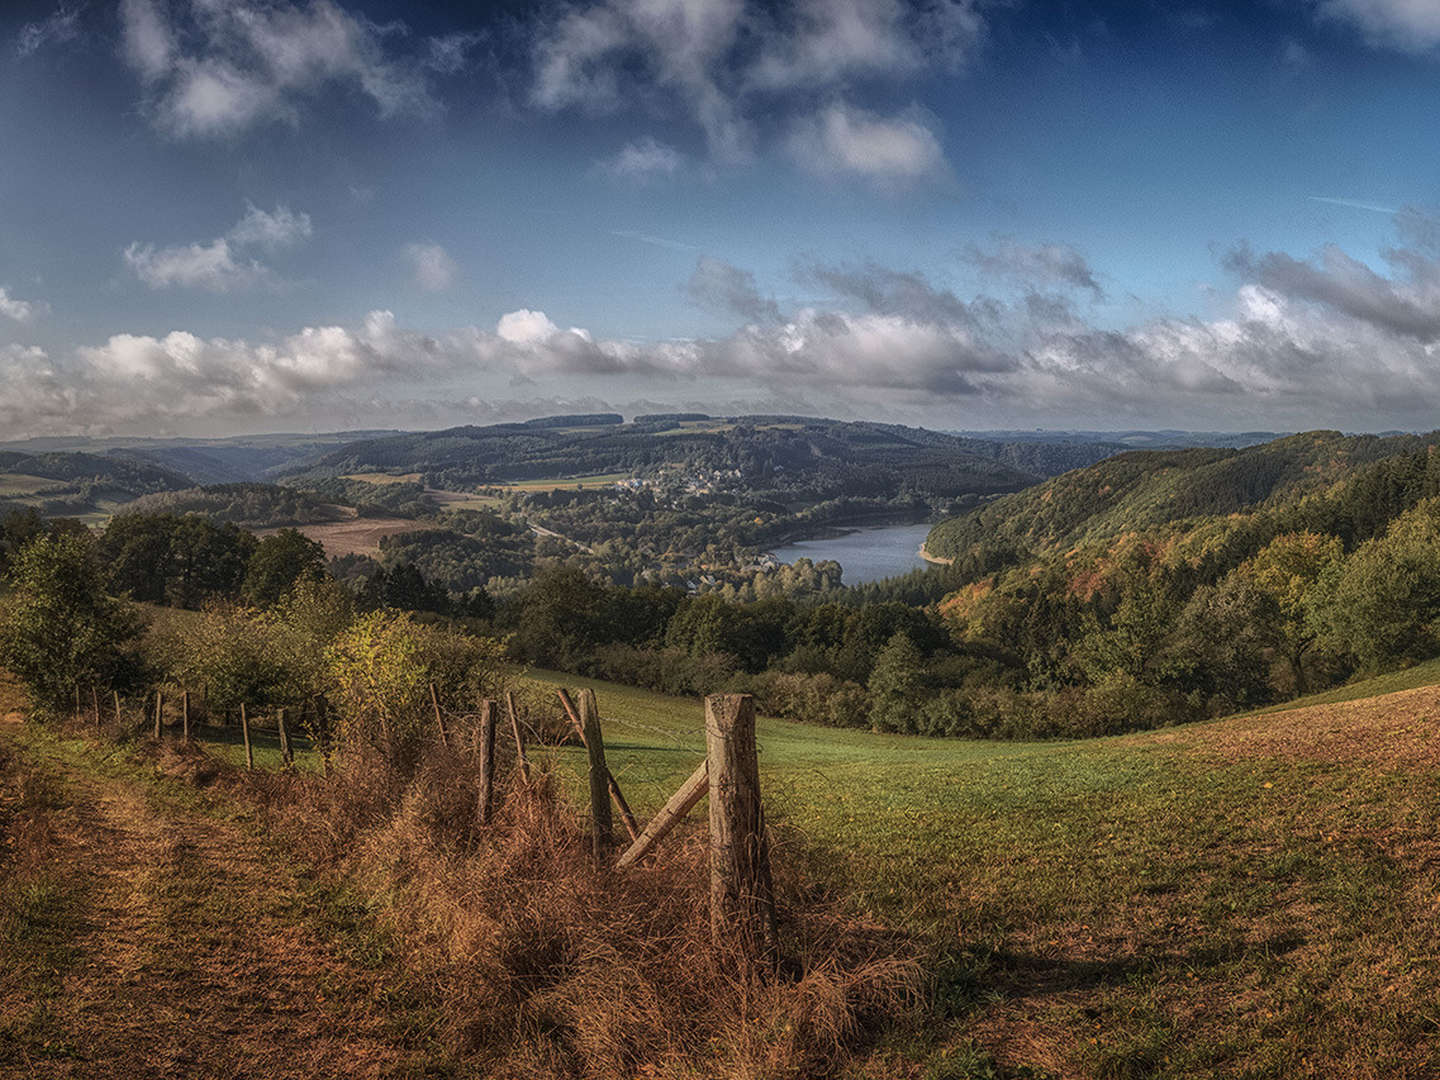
(359, 536)
(196, 954)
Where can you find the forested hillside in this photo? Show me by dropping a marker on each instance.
(1163, 585)
(73, 484)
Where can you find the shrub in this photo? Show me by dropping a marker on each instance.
(379, 671)
(59, 628)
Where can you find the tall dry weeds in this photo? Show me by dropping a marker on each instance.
(554, 967)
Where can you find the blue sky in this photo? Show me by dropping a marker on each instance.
(306, 214)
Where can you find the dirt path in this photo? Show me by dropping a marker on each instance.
(193, 952)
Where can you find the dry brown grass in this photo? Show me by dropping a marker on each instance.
(552, 966)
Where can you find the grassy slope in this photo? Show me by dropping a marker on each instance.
(1250, 897)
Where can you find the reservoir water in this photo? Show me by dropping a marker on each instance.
(865, 554)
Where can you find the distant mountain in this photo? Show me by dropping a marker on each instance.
(206, 461)
(1165, 439)
(763, 448)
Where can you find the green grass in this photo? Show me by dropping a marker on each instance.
(1170, 904)
(1411, 678)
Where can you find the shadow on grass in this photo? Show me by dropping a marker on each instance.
(966, 978)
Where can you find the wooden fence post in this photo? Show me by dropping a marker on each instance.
(287, 755)
(95, 701)
(626, 816)
(599, 774)
(77, 701)
(439, 718)
(521, 760)
(487, 760)
(185, 714)
(118, 721)
(159, 715)
(679, 804)
(742, 896)
(245, 734)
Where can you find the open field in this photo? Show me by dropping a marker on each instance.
(564, 483)
(462, 500)
(358, 536)
(384, 478)
(1251, 897)
(12, 484)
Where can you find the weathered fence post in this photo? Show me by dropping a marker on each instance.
(670, 815)
(118, 721)
(77, 700)
(487, 760)
(159, 715)
(522, 762)
(287, 754)
(439, 717)
(599, 774)
(742, 896)
(95, 701)
(626, 816)
(245, 734)
(185, 714)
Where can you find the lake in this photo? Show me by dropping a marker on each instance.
(866, 554)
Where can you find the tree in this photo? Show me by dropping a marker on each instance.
(1285, 571)
(170, 559)
(59, 628)
(1383, 603)
(278, 563)
(556, 617)
(895, 685)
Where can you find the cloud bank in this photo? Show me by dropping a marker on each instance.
(1324, 340)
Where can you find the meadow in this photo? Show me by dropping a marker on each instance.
(1255, 896)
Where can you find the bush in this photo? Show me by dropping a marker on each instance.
(60, 629)
(379, 671)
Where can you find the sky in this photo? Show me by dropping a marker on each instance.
(231, 216)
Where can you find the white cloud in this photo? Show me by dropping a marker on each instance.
(644, 159)
(22, 311)
(62, 25)
(434, 269)
(526, 327)
(211, 266)
(148, 42)
(217, 69)
(220, 265)
(271, 230)
(843, 139)
(1408, 25)
(738, 67)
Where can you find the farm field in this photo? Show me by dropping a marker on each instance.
(384, 478)
(564, 483)
(13, 484)
(1255, 896)
(357, 536)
